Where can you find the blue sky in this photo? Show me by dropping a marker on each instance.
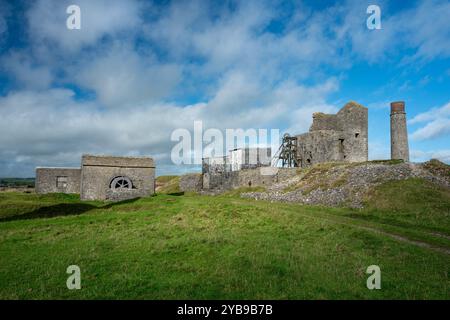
(137, 70)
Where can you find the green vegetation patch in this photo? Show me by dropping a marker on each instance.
(168, 185)
(410, 203)
(209, 247)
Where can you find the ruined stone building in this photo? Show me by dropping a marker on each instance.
(101, 178)
(335, 137)
(340, 137)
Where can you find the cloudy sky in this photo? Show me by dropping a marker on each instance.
(137, 70)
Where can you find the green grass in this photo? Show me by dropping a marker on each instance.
(165, 179)
(168, 184)
(412, 203)
(224, 247)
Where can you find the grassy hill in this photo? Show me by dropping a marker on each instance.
(226, 247)
(168, 184)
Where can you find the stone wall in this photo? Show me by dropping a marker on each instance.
(55, 180)
(192, 182)
(354, 120)
(98, 172)
(259, 177)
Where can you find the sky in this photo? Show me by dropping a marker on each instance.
(138, 70)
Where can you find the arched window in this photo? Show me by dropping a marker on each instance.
(121, 183)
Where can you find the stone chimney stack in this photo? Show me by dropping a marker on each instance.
(399, 134)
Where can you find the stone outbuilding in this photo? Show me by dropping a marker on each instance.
(116, 178)
(101, 178)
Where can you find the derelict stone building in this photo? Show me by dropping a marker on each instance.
(340, 137)
(116, 178)
(335, 137)
(101, 178)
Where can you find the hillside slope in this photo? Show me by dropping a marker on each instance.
(349, 184)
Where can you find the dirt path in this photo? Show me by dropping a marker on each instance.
(405, 239)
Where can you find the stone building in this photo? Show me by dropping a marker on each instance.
(116, 178)
(58, 180)
(101, 178)
(335, 137)
(399, 134)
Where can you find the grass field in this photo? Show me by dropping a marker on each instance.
(225, 247)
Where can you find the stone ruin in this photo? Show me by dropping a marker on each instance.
(340, 137)
(335, 137)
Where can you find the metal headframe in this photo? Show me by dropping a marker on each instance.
(287, 152)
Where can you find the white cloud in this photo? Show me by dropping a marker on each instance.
(409, 29)
(437, 123)
(26, 74)
(239, 39)
(99, 18)
(122, 78)
(433, 129)
(433, 114)
(52, 126)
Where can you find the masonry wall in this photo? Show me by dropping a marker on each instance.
(97, 173)
(263, 176)
(47, 180)
(192, 182)
(354, 120)
(319, 146)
